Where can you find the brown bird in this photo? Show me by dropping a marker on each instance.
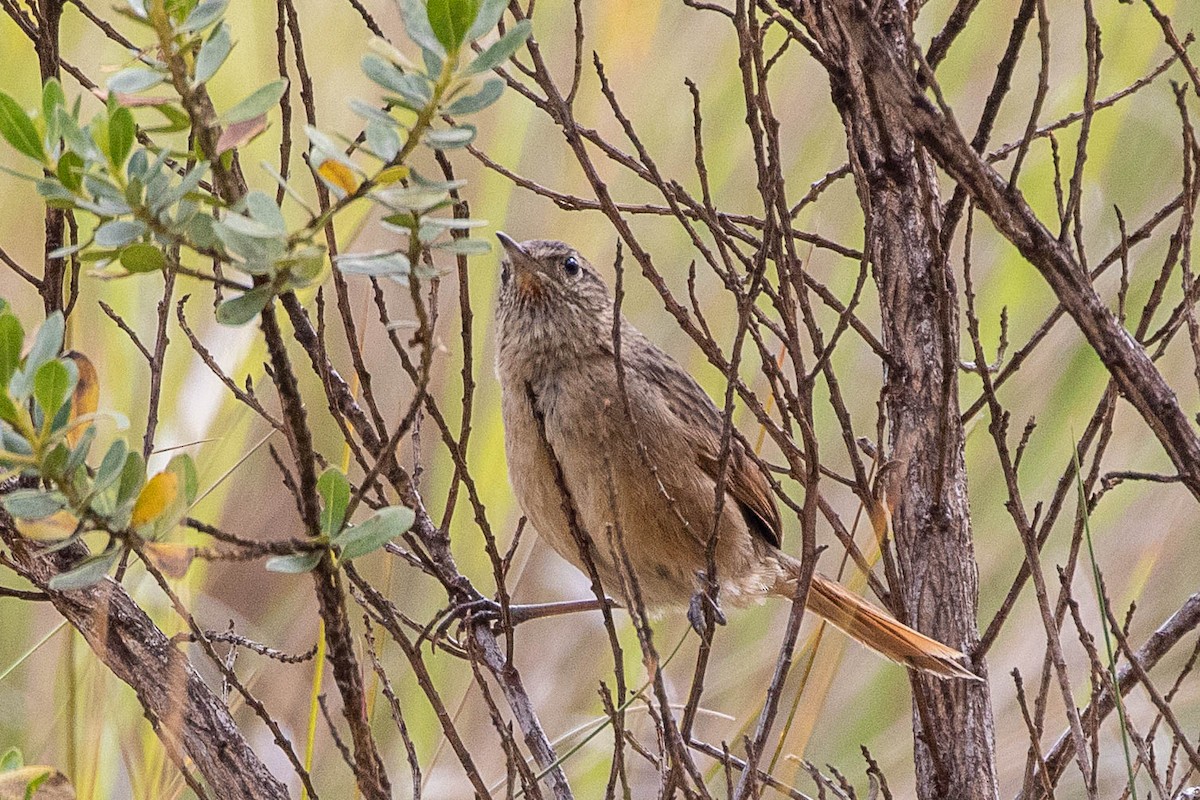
(646, 467)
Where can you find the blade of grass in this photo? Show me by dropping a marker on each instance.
(4, 673)
(1108, 644)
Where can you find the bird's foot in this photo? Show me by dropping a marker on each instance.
(701, 600)
(481, 609)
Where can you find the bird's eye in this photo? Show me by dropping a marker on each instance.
(504, 272)
(571, 265)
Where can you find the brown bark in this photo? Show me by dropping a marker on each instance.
(927, 481)
(192, 722)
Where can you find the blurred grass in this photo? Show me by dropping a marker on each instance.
(648, 48)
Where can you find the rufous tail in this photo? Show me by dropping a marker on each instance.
(879, 631)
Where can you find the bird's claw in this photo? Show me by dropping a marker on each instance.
(481, 609)
(695, 613)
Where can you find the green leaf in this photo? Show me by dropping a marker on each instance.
(133, 476)
(335, 493)
(502, 49)
(203, 15)
(12, 338)
(110, 466)
(184, 466)
(416, 24)
(374, 532)
(52, 100)
(264, 210)
(142, 257)
(472, 103)
(18, 130)
(119, 232)
(212, 54)
(46, 344)
(70, 171)
(240, 310)
(487, 18)
(121, 131)
(8, 411)
(260, 102)
(134, 80)
(33, 503)
(51, 385)
(450, 21)
(382, 72)
(89, 572)
(382, 139)
(450, 138)
(380, 264)
(12, 759)
(295, 563)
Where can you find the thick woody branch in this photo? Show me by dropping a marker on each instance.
(1131, 367)
(194, 724)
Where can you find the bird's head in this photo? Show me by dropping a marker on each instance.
(550, 297)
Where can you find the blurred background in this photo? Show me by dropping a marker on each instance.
(62, 707)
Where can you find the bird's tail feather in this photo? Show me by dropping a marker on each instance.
(879, 631)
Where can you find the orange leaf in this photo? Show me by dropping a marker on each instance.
(86, 397)
(170, 557)
(58, 525)
(339, 175)
(239, 133)
(158, 493)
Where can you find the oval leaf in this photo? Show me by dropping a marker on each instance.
(51, 385)
(335, 493)
(260, 102)
(374, 532)
(142, 257)
(295, 563)
(17, 129)
(90, 571)
(158, 493)
(240, 310)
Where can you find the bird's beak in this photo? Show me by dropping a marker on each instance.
(524, 268)
(512, 247)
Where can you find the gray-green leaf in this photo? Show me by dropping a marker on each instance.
(449, 138)
(203, 15)
(295, 563)
(374, 532)
(33, 503)
(212, 54)
(119, 232)
(242, 309)
(487, 95)
(502, 49)
(134, 80)
(416, 24)
(262, 100)
(90, 571)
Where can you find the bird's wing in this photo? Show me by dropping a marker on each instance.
(703, 423)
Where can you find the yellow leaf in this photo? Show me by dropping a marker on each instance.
(339, 175)
(86, 397)
(170, 557)
(158, 493)
(391, 175)
(58, 525)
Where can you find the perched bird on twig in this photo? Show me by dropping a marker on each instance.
(639, 468)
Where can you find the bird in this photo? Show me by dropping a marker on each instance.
(637, 456)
